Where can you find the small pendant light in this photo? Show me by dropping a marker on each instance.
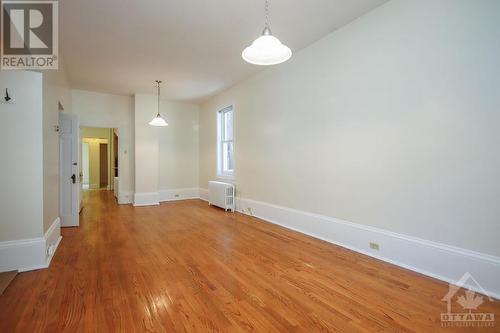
(267, 49)
(158, 120)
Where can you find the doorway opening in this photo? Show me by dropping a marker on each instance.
(99, 158)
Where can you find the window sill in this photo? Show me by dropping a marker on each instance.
(227, 177)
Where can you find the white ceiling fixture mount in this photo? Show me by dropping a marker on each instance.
(266, 50)
(158, 120)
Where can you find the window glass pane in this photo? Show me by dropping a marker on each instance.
(230, 157)
(226, 147)
(224, 126)
(224, 157)
(227, 157)
(228, 131)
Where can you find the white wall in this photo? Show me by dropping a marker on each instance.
(166, 158)
(178, 158)
(112, 111)
(391, 121)
(21, 138)
(55, 89)
(29, 198)
(146, 151)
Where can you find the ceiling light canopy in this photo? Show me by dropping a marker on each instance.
(267, 49)
(158, 120)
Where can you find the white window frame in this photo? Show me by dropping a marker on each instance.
(220, 142)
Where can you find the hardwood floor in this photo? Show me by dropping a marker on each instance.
(185, 266)
(5, 279)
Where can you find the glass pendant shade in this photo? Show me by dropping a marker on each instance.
(266, 50)
(158, 121)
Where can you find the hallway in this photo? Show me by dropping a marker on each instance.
(185, 266)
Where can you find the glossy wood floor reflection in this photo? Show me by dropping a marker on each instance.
(188, 267)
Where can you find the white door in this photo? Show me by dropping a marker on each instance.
(69, 170)
(80, 172)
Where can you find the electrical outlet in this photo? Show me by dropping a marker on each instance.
(50, 250)
(374, 246)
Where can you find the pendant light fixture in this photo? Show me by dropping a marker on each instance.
(158, 120)
(267, 49)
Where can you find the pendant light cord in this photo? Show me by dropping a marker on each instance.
(267, 29)
(158, 83)
(266, 8)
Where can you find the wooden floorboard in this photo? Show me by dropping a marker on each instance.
(5, 279)
(188, 267)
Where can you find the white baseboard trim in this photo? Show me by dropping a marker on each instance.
(146, 199)
(440, 261)
(179, 194)
(30, 254)
(53, 234)
(51, 251)
(23, 254)
(124, 198)
(52, 240)
(203, 194)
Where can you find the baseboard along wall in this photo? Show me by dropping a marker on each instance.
(147, 199)
(30, 254)
(154, 198)
(179, 194)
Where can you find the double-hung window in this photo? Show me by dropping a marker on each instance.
(225, 142)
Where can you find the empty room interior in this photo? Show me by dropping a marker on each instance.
(250, 166)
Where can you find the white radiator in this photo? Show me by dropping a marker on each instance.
(221, 195)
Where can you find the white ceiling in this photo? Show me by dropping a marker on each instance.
(194, 46)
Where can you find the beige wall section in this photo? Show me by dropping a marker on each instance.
(113, 111)
(95, 160)
(55, 89)
(179, 167)
(106, 136)
(94, 132)
(392, 121)
(21, 138)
